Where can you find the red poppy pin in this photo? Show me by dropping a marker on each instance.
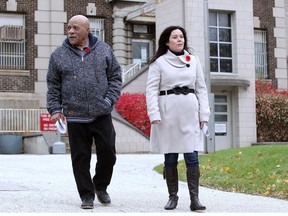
(188, 58)
(87, 49)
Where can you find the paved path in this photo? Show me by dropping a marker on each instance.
(45, 184)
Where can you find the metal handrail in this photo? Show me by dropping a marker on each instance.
(129, 71)
(20, 120)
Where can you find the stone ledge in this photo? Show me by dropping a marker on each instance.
(269, 143)
(229, 81)
(10, 72)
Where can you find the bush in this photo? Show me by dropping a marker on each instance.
(132, 107)
(271, 113)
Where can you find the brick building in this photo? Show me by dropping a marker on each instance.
(30, 31)
(23, 77)
(256, 47)
(270, 26)
(247, 41)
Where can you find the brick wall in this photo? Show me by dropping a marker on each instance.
(23, 83)
(104, 10)
(264, 10)
(26, 84)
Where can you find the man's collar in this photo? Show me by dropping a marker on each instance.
(86, 45)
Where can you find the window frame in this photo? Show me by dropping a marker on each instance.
(261, 58)
(12, 41)
(220, 43)
(97, 28)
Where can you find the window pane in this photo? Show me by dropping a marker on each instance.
(213, 65)
(213, 49)
(212, 19)
(220, 40)
(220, 99)
(226, 65)
(97, 28)
(224, 20)
(213, 34)
(260, 46)
(220, 108)
(225, 35)
(12, 41)
(220, 118)
(225, 50)
(140, 51)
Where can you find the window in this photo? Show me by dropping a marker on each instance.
(221, 114)
(12, 41)
(141, 51)
(260, 44)
(97, 28)
(220, 40)
(140, 29)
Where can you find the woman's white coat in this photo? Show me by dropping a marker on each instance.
(181, 114)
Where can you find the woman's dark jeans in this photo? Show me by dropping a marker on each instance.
(191, 159)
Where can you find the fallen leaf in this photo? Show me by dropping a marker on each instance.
(271, 176)
(227, 169)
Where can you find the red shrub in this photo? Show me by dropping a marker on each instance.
(132, 107)
(264, 87)
(271, 113)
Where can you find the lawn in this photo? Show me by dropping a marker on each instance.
(258, 170)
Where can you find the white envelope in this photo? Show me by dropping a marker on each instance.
(205, 130)
(61, 126)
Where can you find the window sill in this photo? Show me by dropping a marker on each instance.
(8, 72)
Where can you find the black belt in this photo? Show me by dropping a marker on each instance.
(178, 90)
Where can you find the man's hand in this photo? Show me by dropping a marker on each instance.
(57, 116)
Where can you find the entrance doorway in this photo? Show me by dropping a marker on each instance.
(223, 122)
(141, 51)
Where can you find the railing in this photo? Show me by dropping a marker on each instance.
(12, 54)
(129, 71)
(20, 120)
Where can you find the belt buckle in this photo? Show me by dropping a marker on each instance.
(177, 90)
(185, 90)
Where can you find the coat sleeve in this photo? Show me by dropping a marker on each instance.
(152, 92)
(114, 76)
(54, 101)
(201, 93)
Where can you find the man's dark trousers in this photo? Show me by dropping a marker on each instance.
(81, 137)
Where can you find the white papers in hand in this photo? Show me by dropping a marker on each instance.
(61, 126)
(205, 130)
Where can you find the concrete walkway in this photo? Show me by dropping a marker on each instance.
(45, 184)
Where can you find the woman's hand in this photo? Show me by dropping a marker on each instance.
(156, 122)
(202, 123)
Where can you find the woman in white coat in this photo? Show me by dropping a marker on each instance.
(178, 107)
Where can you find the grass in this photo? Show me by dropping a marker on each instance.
(257, 170)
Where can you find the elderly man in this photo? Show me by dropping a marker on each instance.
(84, 82)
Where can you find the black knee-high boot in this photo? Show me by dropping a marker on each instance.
(193, 175)
(171, 175)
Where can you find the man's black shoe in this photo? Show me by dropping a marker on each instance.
(103, 197)
(87, 203)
